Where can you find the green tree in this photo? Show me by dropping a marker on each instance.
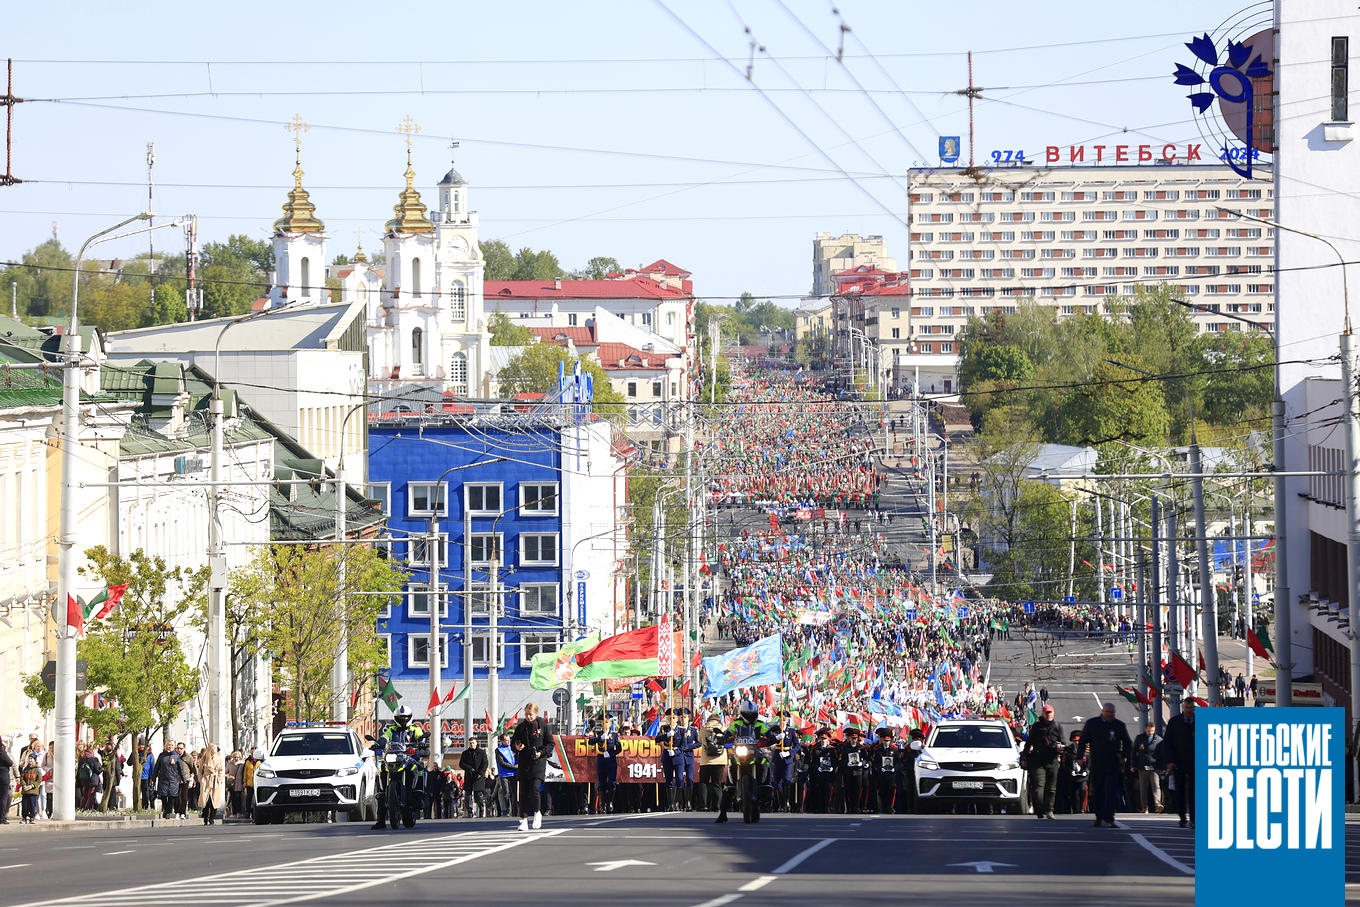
(298, 604)
(534, 371)
(505, 332)
(500, 261)
(1241, 385)
(234, 275)
(598, 268)
(531, 265)
(43, 281)
(139, 667)
(1115, 405)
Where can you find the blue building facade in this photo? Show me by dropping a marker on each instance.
(485, 489)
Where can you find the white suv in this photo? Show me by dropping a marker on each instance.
(316, 767)
(971, 760)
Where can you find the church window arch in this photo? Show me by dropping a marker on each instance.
(417, 346)
(415, 276)
(306, 272)
(458, 373)
(458, 302)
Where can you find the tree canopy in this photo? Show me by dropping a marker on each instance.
(505, 332)
(534, 371)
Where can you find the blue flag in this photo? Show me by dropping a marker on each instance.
(760, 663)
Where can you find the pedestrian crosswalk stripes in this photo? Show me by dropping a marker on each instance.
(313, 879)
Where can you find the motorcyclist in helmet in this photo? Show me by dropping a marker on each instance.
(399, 735)
(750, 730)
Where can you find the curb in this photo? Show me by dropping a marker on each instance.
(114, 822)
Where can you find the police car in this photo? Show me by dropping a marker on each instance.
(971, 760)
(316, 767)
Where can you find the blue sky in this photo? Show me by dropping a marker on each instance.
(592, 128)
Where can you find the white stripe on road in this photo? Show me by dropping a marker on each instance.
(800, 857)
(114, 853)
(757, 884)
(16, 865)
(632, 816)
(1162, 855)
(719, 902)
(326, 876)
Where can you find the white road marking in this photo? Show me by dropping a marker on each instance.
(611, 865)
(757, 884)
(16, 865)
(718, 902)
(1093, 696)
(114, 853)
(800, 857)
(328, 876)
(633, 816)
(1162, 855)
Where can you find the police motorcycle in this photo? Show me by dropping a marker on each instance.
(401, 750)
(748, 742)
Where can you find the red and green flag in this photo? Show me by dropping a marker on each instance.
(1154, 688)
(1181, 670)
(635, 653)
(1260, 643)
(107, 599)
(387, 692)
(1131, 695)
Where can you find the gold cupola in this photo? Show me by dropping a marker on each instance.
(410, 212)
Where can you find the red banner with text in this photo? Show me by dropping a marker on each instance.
(639, 763)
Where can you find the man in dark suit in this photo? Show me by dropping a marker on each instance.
(1106, 745)
(1178, 751)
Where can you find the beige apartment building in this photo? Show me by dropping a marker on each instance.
(834, 254)
(1070, 236)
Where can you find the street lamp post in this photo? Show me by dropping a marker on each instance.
(64, 759)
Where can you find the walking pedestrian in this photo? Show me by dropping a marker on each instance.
(6, 765)
(1043, 758)
(167, 777)
(1106, 745)
(188, 793)
(506, 802)
(1147, 762)
(211, 782)
(30, 788)
(532, 744)
(1180, 759)
(474, 764)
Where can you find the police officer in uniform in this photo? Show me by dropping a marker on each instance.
(397, 736)
(688, 739)
(823, 764)
(781, 769)
(885, 762)
(853, 764)
(606, 748)
(671, 761)
(908, 790)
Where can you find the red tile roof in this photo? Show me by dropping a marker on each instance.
(630, 288)
(661, 266)
(578, 336)
(610, 355)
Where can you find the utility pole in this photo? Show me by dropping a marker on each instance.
(467, 621)
(691, 605)
(1142, 646)
(151, 236)
(1249, 588)
(493, 686)
(1208, 600)
(1352, 442)
(435, 598)
(1173, 570)
(340, 667)
(1157, 600)
(1100, 551)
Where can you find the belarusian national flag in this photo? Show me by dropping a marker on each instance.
(1260, 643)
(109, 598)
(631, 654)
(1131, 695)
(462, 694)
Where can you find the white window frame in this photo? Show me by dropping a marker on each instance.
(500, 547)
(418, 591)
(526, 510)
(544, 642)
(525, 561)
(442, 497)
(556, 597)
(441, 551)
(483, 511)
(385, 640)
(479, 592)
(479, 640)
(381, 492)
(412, 662)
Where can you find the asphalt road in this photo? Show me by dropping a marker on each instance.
(661, 860)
